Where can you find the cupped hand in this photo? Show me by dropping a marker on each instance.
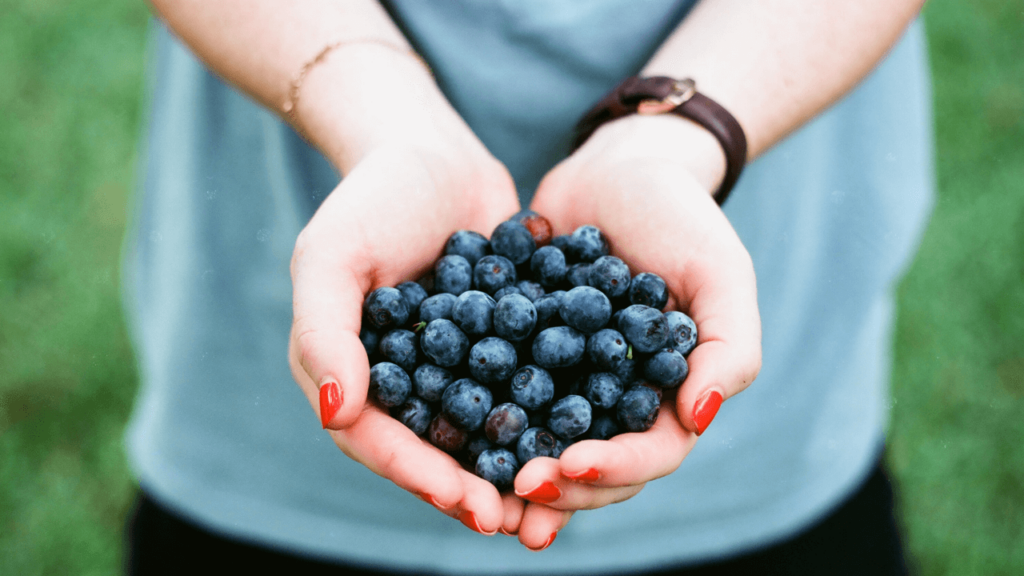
(385, 224)
(645, 182)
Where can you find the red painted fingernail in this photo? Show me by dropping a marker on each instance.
(588, 475)
(330, 402)
(546, 544)
(469, 519)
(505, 532)
(546, 493)
(705, 409)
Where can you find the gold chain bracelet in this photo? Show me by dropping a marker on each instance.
(290, 104)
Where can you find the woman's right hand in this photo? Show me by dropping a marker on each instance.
(384, 224)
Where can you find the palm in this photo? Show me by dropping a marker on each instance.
(385, 224)
(658, 219)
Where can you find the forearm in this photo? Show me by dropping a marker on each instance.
(362, 95)
(775, 64)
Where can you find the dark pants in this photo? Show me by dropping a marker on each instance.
(857, 538)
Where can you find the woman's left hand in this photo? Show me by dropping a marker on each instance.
(645, 181)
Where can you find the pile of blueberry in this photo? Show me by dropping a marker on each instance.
(518, 346)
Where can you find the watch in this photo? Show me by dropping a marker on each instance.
(661, 95)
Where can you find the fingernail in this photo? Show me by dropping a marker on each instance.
(546, 493)
(588, 475)
(546, 544)
(503, 531)
(705, 409)
(469, 519)
(330, 402)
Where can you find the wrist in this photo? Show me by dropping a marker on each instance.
(365, 97)
(663, 137)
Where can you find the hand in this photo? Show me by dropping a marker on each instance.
(382, 225)
(645, 182)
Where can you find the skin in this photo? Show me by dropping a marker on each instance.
(415, 173)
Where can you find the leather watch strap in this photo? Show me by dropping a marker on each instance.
(660, 94)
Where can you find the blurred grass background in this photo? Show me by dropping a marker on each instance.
(71, 111)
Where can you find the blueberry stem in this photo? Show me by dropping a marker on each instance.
(418, 326)
(629, 352)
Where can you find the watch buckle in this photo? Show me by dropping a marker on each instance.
(682, 91)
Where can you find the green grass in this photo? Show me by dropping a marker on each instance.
(958, 418)
(70, 95)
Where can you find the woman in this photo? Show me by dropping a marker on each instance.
(228, 454)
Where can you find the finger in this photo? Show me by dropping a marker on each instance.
(514, 507)
(540, 526)
(327, 358)
(482, 507)
(728, 353)
(389, 449)
(631, 458)
(552, 489)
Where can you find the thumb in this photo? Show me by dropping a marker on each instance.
(728, 353)
(327, 359)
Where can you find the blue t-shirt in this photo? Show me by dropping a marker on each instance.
(221, 433)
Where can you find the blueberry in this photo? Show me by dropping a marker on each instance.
(470, 245)
(453, 275)
(532, 387)
(588, 244)
(413, 293)
(538, 226)
(570, 416)
(505, 423)
(586, 309)
(437, 306)
(530, 289)
(637, 410)
(514, 317)
(429, 382)
(548, 266)
(607, 348)
(473, 312)
(644, 327)
(506, 291)
(386, 308)
(389, 384)
(399, 346)
(444, 343)
(683, 331)
(445, 435)
(415, 413)
(466, 404)
(492, 361)
(578, 274)
(537, 442)
(603, 390)
(562, 243)
(626, 371)
(498, 467)
(476, 446)
(648, 289)
(559, 347)
(666, 368)
(370, 340)
(547, 307)
(616, 316)
(513, 241)
(610, 275)
(603, 427)
(492, 273)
